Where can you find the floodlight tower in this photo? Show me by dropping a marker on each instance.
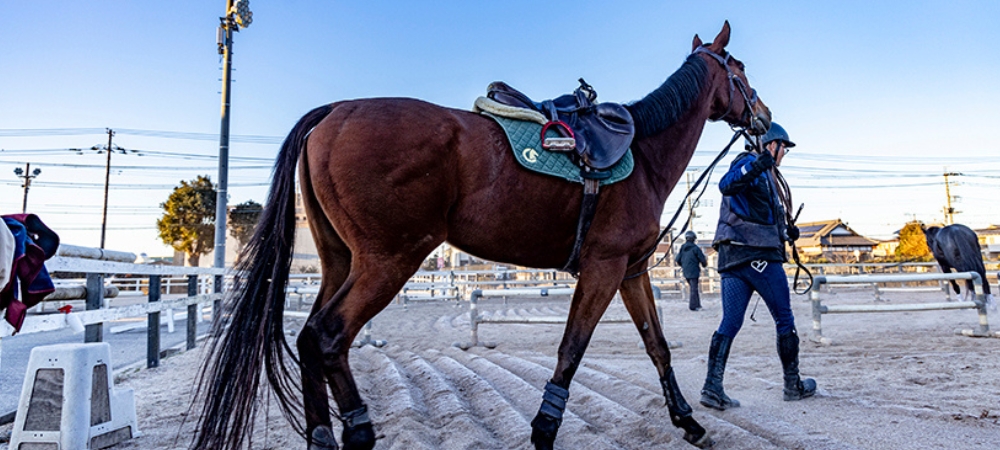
(237, 15)
(27, 175)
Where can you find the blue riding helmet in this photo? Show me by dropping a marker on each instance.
(775, 133)
(690, 236)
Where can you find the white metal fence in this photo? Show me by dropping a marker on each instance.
(90, 321)
(818, 308)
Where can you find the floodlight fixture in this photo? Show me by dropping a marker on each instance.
(242, 13)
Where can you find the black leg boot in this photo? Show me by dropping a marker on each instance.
(681, 413)
(546, 423)
(788, 350)
(712, 394)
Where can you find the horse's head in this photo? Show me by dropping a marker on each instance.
(930, 234)
(734, 101)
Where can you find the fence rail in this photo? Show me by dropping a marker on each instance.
(818, 308)
(90, 321)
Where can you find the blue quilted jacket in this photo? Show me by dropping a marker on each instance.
(751, 220)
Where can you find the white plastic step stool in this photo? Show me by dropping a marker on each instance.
(68, 401)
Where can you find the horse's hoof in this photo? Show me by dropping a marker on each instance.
(543, 432)
(322, 438)
(694, 433)
(705, 441)
(542, 441)
(360, 437)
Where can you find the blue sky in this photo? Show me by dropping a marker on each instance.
(881, 97)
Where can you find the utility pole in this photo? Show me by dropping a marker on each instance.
(949, 211)
(107, 180)
(27, 176)
(237, 15)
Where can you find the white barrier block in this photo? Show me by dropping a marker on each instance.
(68, 400)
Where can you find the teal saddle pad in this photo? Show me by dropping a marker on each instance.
(526, 142)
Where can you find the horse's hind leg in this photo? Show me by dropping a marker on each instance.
(373, 282)
(335, 260)
(314, 393)
(638, 298)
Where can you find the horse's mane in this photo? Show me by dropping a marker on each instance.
(664, 106)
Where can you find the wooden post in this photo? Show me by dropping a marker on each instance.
(153, 325)
(95, 300)
(193, 312)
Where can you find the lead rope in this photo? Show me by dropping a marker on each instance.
(785, 196)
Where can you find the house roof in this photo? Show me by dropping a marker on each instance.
(831, 233)
(991, 230)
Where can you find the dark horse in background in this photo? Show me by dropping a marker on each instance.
(384, 181)
(957, 247)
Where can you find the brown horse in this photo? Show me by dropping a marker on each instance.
(384, 181)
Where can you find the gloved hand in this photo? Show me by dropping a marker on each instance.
(763, 162)
(793, 233)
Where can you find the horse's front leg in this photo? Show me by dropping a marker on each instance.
(597, 285)
(946, 268)
(638, 298)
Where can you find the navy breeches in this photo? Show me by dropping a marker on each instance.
(740, 283)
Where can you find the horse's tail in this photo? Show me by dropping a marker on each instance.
(251, 337)
(972, 259)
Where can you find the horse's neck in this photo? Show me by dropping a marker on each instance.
(665, 155)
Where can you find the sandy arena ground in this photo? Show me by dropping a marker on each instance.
(889, 381)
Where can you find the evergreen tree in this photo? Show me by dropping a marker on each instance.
(243, 220)
(188, 222)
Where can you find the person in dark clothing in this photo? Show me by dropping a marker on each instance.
(691, 259)
(750, 239)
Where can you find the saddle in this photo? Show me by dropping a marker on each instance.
(599, 133)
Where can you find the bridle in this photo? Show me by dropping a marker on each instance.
(748, 93)
(750, 99)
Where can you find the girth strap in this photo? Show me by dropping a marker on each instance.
(591, 187)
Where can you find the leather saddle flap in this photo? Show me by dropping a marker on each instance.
(603, 131)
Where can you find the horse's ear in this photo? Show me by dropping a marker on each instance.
(722, 40)
(697, 43)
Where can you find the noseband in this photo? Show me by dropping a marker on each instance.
(735, 83)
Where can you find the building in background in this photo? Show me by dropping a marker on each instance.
(833, 241)
(989, 241)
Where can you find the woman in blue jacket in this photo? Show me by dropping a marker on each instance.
(750, 239)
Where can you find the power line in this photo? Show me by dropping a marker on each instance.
(98, 166)
(75, 185)
(42, 132)
(153, 153)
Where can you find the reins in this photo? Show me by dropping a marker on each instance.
(749, 100)
(704, 175)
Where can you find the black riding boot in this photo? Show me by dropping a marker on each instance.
(712, 394)
(788, 350)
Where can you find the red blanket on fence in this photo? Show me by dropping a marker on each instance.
(33, 244)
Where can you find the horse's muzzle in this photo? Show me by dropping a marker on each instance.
(760, 124)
